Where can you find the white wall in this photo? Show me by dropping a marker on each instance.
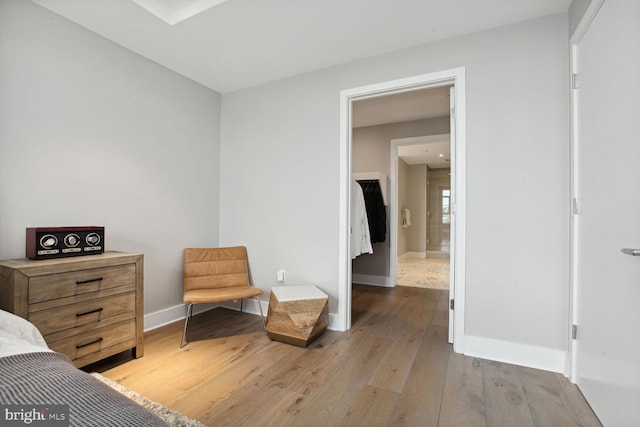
(402, 198)
(280, 174)
(417, 203)
(93, 134)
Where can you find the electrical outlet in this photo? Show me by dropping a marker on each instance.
(280, 275)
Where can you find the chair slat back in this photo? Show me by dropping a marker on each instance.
(209, 268)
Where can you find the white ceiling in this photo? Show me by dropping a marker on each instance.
(434, 153)
(236, 44)
(175, 11)
(401, 107)
(406, 106)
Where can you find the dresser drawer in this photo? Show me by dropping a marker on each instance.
(87, 307)
(96, 340)
(94, 312)
(55, 286)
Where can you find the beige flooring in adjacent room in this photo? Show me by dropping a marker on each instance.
(419, 272)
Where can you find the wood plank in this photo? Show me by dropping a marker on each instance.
(311, 372)
(211, 355)
(219, 360)
(230, 373)
(463, 396)
(215, 389)
(373, 408)
(441, 313)
(332, 402)
(285, 372)
(420, 401)
(505, 399)
(573, 398)
(395, 368)
(261, 412)
(543, 397)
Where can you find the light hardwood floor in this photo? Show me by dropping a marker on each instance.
(393, 368)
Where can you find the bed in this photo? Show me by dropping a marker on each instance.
(33, 376)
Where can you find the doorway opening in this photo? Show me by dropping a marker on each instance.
(423, 186)
(456, 79)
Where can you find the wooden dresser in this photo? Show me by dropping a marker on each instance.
(87, 307)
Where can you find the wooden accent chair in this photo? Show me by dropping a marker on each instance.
(214, 275)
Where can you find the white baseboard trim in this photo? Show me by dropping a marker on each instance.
(173, 314)
(334, 323)
(413, 255)
(177, 313)
(530, 356)
(366, 279)
(249, 305)
(436, 254)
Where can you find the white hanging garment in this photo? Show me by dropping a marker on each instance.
(360, 235)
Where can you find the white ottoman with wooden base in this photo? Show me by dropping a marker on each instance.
(297, 314)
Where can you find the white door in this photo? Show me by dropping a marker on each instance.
(607, 300)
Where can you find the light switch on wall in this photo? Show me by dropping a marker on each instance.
(280, 275)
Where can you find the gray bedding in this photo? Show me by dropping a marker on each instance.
(48, 378)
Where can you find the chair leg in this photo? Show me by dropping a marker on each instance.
(264, 321)
(186, 322)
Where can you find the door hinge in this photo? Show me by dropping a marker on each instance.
(453, 113)
(452, 304)
(574, 332)
(575, 81)
(575, 203)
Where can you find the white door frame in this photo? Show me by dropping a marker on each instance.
(455, 77)
(575, 40)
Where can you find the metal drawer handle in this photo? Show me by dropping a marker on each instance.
(81, 282)
(632, 252)
(84, 313)
(97, 340)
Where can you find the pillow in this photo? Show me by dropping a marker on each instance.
(12, 344)
(21, 328)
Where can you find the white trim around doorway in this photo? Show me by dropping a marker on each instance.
(574, 43)
(455, 77)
